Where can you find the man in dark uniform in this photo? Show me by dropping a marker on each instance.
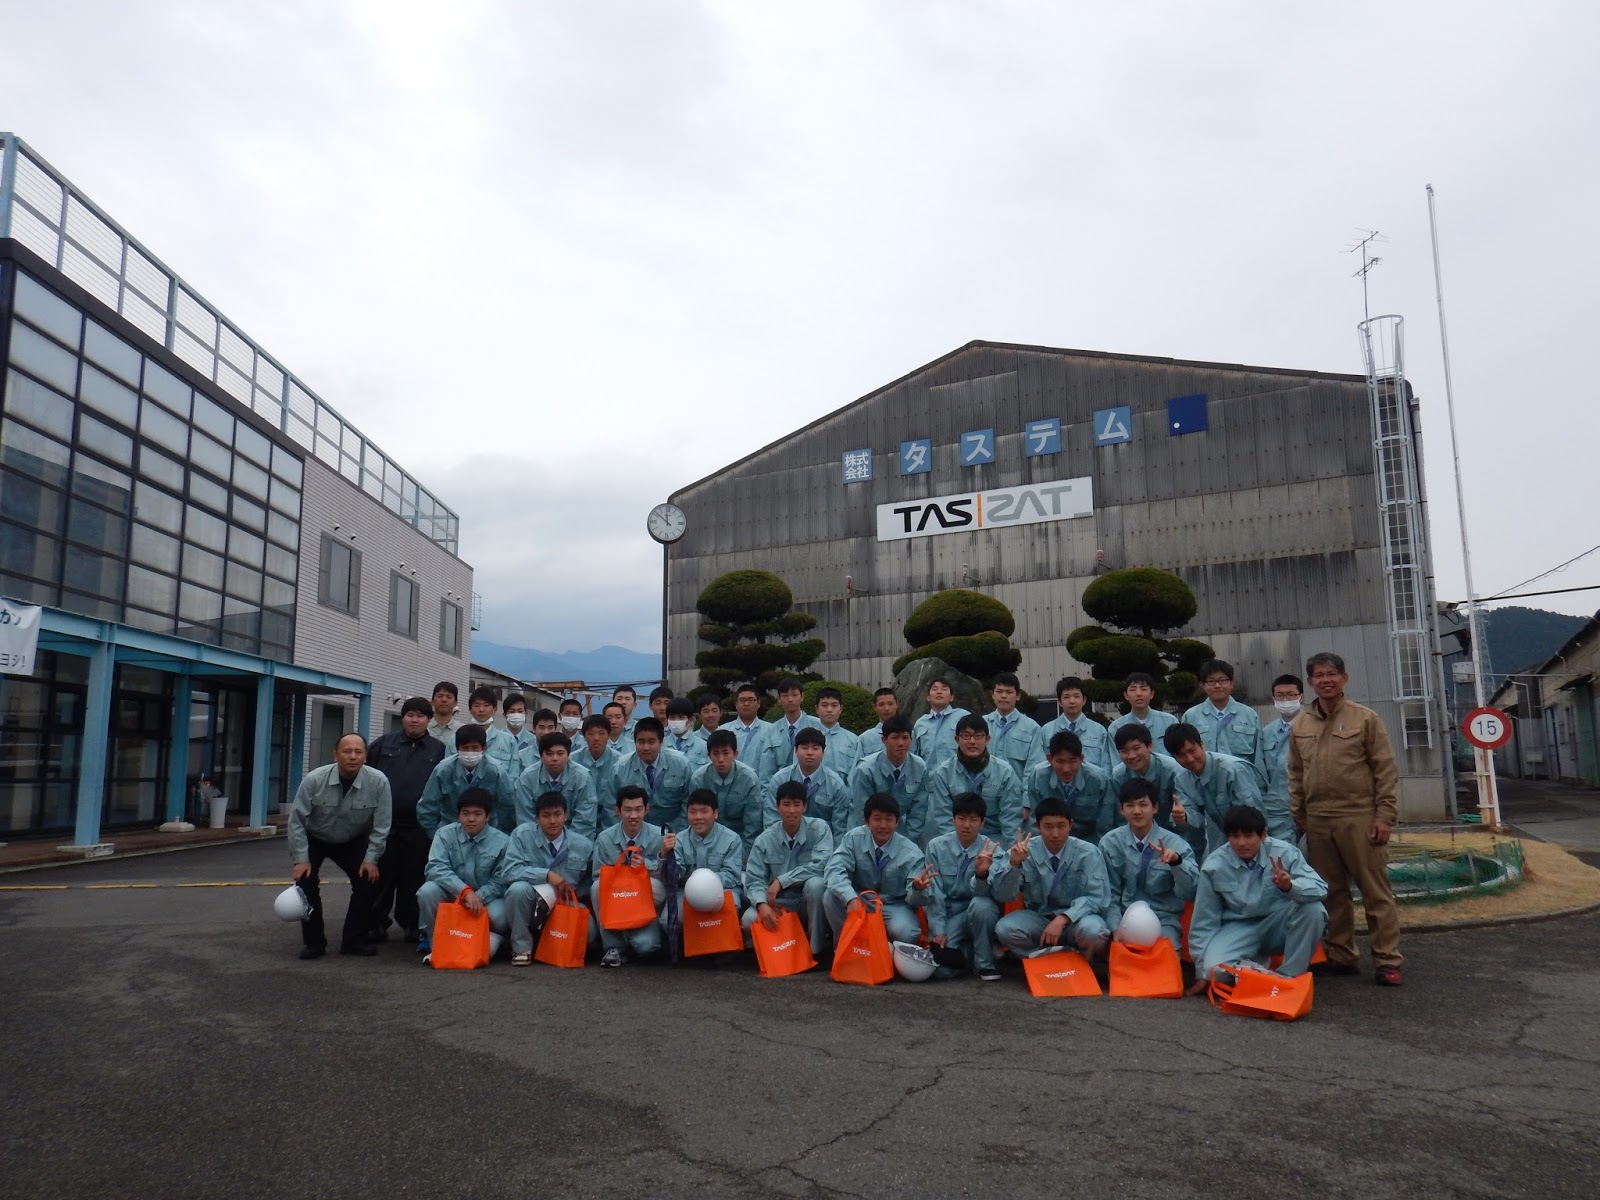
(406, 759)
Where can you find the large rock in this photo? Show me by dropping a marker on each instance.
(911, 687)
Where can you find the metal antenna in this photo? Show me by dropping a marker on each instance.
(1368, 261)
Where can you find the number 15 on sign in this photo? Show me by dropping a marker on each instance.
(1486, 728)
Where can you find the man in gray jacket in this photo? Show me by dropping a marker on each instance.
(341, 811)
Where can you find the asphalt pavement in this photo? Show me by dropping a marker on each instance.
(165, 1041)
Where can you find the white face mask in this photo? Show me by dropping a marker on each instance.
(678, 726)
(516, 720)
(470, 758)
(1287, 708)
(571, 723)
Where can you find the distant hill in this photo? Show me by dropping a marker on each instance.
(608, 664)
(1524, 637)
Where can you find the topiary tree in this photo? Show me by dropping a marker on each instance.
(1133, 608)
(754, 634)
(858, 715)
(970, 631)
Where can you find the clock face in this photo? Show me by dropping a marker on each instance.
(667, 523)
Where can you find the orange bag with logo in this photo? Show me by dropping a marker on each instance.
(712, 933)
(1317, 956)
(862, 953)
(626, 900)
(565, 936)
(1060, 973)
(784, 950)
(460, 939)
(1257, 993)
(1151, 972)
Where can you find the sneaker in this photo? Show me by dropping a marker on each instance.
(1386, 977)
(611, 958)
(522, 958)
(427, 960)
(988, 974)
(424, 943)
(313, 952)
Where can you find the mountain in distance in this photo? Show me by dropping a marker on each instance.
(1519, 638)
(608, 664)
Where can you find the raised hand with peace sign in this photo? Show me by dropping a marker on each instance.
(1019, 852)
(1280, 877)
(1171, 857)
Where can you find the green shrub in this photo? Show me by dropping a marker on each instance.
(957, 612)
(983, 655)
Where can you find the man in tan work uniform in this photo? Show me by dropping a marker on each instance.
(1342, 792)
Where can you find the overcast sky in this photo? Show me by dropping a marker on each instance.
(561, 259)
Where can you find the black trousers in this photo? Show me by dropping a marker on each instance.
(405, 856)
(348, 856)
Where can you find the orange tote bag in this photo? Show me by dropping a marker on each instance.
(1150, 972)
(565, 936)
(1261, 993)
(862, 954)
(1060, 973)
(626, 901)
(460, 939)
(712, 933)
(784, 950)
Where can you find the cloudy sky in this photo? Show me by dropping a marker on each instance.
(560, 259)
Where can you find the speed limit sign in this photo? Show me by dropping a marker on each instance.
(1487, 728)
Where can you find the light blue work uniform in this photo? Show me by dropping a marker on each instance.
(721, 850)
(994, 781)
(1234, 730)
(457, 862)
(1274, 763)
(858, 864)
(1088, 794)
(827, 796)
(1157, 723)
(328, 811)
(1014, 738)
(502, 747)
(781, 735)
(666, 783)
(1094, 737)
(843, 751)
(608, 848)
(1136, 872)
(601, 772)
(959, 906)
(869, 742)
(574, 783)
(1070, 883)
(691, 747)
(528, 749)
(933, 737)
(1224, 782)
(1163, 774)
(739, 800)
(1239, 913)
(797, 863)
(907, 783)
(437, 807)
(529, 862)
(755, 746)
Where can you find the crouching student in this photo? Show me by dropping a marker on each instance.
(785, 867)
(1147, 863)
(544, 851)
(635, 843)
(1063, 884)
(1257, 897)
(876, 858)
(961, 915)
(709, 843)
(467, 864)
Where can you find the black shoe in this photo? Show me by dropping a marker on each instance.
(988, 974)
(359, 949)
(313, 952)
(1322, 970)
(413, 935)
(378, 935)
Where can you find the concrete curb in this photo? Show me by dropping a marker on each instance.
(78, 861)
(1509, 919)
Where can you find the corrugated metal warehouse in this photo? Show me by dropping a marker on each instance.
(1256, 485)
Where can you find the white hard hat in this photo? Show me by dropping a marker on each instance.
(291, 904)
(1140, 926)
(913, 962)
(703, 890)
(548, 892)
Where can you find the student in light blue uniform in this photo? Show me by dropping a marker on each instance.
(499, 744)
(468, 856)
(933, 737)
(554, 771)
(1210, 782)
(539, 723)
(467, 768)
(886, 705)
(740, 803)
(1013, 735)
(709, 843)
(710, 712)
(897, 771)
(1063, 885)
(1139, 690)
(973, 769)
(1144, 862)
(1084, 788)
(514, 709)
(785, 867)
(790, 722)
(1287, 698)
(875, 858)
(545, 851)
(827, 795)
(1140, 761)
(662, 773)
(1225, 725)
(633, 842)
(596, 755)
(1257, 897)
(679, 737)
(1071, 696)
(621, 730)
(844, 748)
(961, 913)
(627, 699)
(754, 734)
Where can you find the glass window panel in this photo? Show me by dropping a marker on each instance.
(111, 352)
(282, 562)
(372, 485)
(21, 449)
(299, 431)
(246, 547)
(286, 466)
(278, 595)
(47, 310)
(104, 394)
(285, 498)
(282, 529)
(92, 526)
(154, 549)
(165, 429)
(102, 608)
(197, 605)
(204, 490)
(211, 455)
(253, 444)
(155, 507)
(202, 567)
(26, 551)
(32, 504)
(151, 590)
(167, 388)
(244, 583)
(38, 355)
(42, 407)
(161, 622)
(102, 439)
(213, 418)
(29, 591)
(247, 512)
(351, 469)
(250, 478)
(205, 530)
(157, 466)
(106, 485)
(279, 629)
(93, 574)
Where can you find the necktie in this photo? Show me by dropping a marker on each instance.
(1073, 728)
(811, 786)
(472, 861)
(1145, 855)
(1055, 862)
(877, 859)
(794, 851)
(792, 731)
(961, 867)
(894, 783)
(559, 785)
(650, 776)
(1223, 720)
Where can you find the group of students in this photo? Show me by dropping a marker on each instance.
(958, 815)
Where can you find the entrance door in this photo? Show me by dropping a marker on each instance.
(330, 728)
